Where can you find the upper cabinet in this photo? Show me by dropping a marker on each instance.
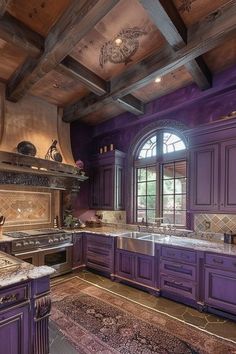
(204, 177)
(228, 175)
(107, 181)
(213, 168)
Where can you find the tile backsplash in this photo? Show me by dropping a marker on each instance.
(113, 216)
(219, 223)
(23, 208)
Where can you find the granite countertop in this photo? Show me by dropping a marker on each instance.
(186, 242)
(14, 270)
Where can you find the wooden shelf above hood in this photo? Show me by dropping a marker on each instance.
(27, 170)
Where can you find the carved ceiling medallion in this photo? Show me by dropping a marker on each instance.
(122, 47)
(186, 5)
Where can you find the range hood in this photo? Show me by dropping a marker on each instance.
(32, 119)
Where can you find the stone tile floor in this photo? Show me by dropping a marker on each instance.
(205, 321)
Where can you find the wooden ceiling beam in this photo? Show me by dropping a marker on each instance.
(14, 32)
(169, 22)
(72, 68)
(93, 103)
(206, 35)
(3, 6)
(75, 23)
(132, 104)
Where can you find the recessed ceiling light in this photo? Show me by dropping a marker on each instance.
(118, 41)
(158, 79)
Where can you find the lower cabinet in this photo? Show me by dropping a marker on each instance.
(78, 259)
(14, 333)
(178, 273)
(99, 253)
(220, 282)
(136, 267)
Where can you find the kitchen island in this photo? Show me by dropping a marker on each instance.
(24, 306)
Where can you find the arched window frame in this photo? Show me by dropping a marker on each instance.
(159, 161)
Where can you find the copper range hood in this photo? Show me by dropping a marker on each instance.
(32, 119)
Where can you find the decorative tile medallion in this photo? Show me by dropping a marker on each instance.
(25, 207)
(122, 47)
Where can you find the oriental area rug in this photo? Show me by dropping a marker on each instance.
(95, 320)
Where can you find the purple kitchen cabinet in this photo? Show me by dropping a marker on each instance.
(99, 253)
(228, 173)
(145, 270)
(178, 274)
(204, 178)
(136, 267)
(125, 264)
(78, 252)
(107, 181)
(95, 188)
(220, 289)
(14, 330)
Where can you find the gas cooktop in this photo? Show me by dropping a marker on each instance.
(29, 233)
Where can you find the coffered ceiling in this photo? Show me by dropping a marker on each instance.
(99, 58)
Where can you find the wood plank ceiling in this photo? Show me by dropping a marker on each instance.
(99, 58)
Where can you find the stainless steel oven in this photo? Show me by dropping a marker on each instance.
(59, 258)
(29, 257)
(53, 249)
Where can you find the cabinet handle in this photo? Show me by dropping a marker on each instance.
(184, 255)
(218, 261)
(175, 283)
(170, 254)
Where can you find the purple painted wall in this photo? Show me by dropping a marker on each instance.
(188, 105)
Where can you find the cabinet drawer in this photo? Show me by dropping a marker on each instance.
(14, 295)
(186, 271)
(179, 254)
(99, 240)
(179, 287)
(221, 262)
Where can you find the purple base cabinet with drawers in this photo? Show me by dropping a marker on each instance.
(99, 253)
(178, 274)
(24, 316)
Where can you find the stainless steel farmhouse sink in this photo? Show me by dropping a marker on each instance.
(139, 242)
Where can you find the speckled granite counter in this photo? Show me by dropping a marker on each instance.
(13, 270)
(186, 242)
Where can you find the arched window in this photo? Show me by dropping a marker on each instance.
(160, 179)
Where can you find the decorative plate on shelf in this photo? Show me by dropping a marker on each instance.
(26, 148)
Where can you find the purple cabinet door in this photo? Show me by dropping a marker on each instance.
(204, 178)
(119, 188)
(95, 188)
(14, 331)
(125, 264)
(220, 289)
(145, 270)
(107, 187)
(228, 173)
(77, 251)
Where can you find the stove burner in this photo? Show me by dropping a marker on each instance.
(16, 234)
(30, 233)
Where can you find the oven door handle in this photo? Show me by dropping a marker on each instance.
(24, 253)
(65, 245)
